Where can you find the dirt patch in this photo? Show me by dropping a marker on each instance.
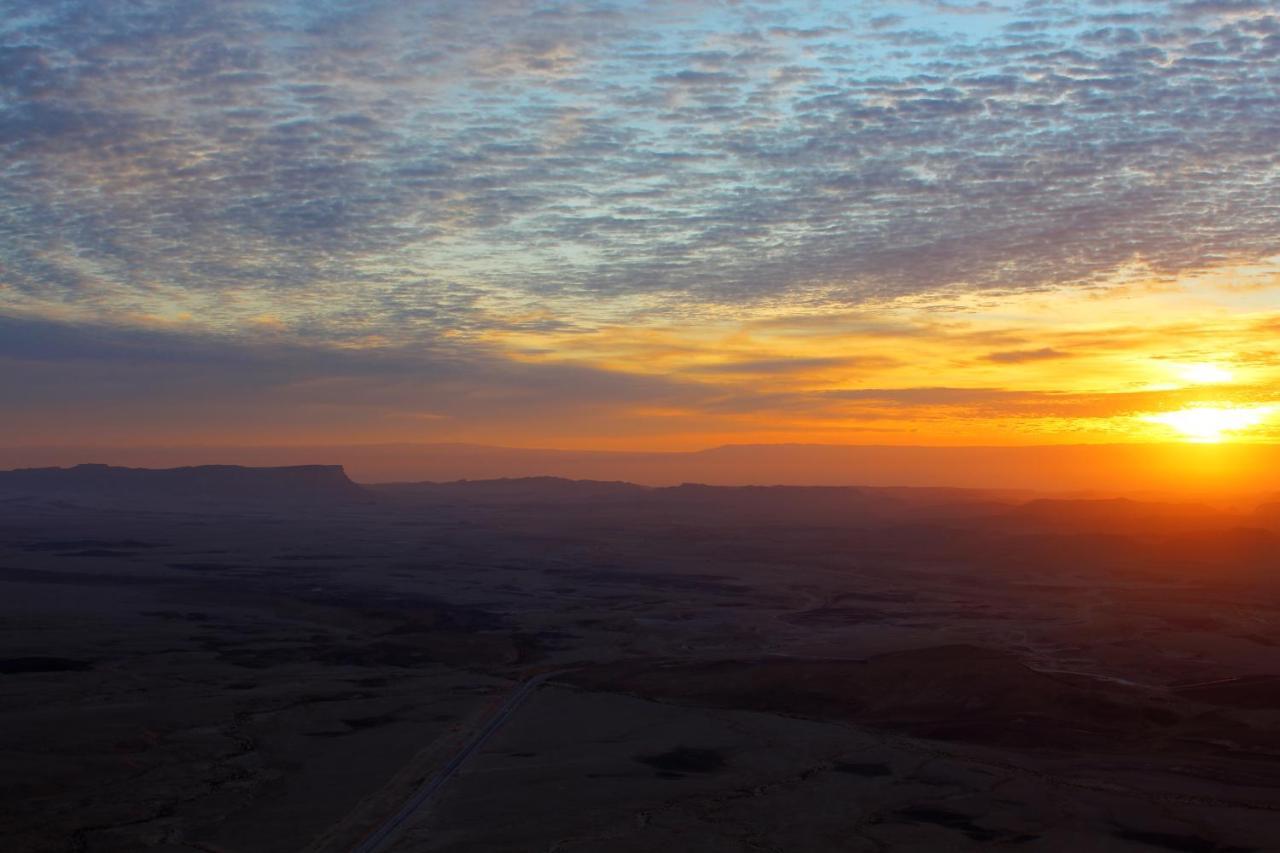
(685, 759)
(22, 666)
(660, 580)
(204, 567)
(1171, 841)
(361, 723)
(96, 552)
(1259, 691)
(834, 617)
(84, 544)
(958, 822)
(858, 769)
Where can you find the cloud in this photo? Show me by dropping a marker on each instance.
(236, 154)
(1012, 404)
(1201, 8)
(930, 396)
(110, 384)
(782, 366)
(1026, 355)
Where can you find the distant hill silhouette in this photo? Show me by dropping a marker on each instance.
(968, 520)
(1008, 510)
(1115, 515)
(515, 490)
(1155, 471)
(203, 484)
(825, 505)
(1269, 514)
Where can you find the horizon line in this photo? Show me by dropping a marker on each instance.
(705, 449)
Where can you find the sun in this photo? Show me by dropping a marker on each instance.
(1210, 425)
(1203, 373)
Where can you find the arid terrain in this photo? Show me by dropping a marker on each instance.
(278, 669)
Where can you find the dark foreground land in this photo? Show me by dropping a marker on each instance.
(281, 666)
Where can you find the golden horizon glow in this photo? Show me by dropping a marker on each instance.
(1211, 424)
(1059, 366)
(1130, 362)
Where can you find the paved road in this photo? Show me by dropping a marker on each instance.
(380, 838)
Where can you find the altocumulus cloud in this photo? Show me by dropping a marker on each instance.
(415, 171)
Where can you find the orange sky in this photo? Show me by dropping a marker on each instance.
(1136, 360)
(1132, 361)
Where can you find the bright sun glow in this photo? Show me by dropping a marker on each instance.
(1211, 425)
(1204, 374)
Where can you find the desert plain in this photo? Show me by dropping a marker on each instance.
(608, 667)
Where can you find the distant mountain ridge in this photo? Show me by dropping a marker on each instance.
(329, 485)
(569, 489)
(1148, 471)
(831, 505)
(1018, 510)
(294, 484)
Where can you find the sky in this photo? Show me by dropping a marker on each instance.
(664, 224)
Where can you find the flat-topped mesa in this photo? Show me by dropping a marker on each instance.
(517, 491)
(292, 485)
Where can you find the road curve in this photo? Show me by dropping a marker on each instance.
(379, 838)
